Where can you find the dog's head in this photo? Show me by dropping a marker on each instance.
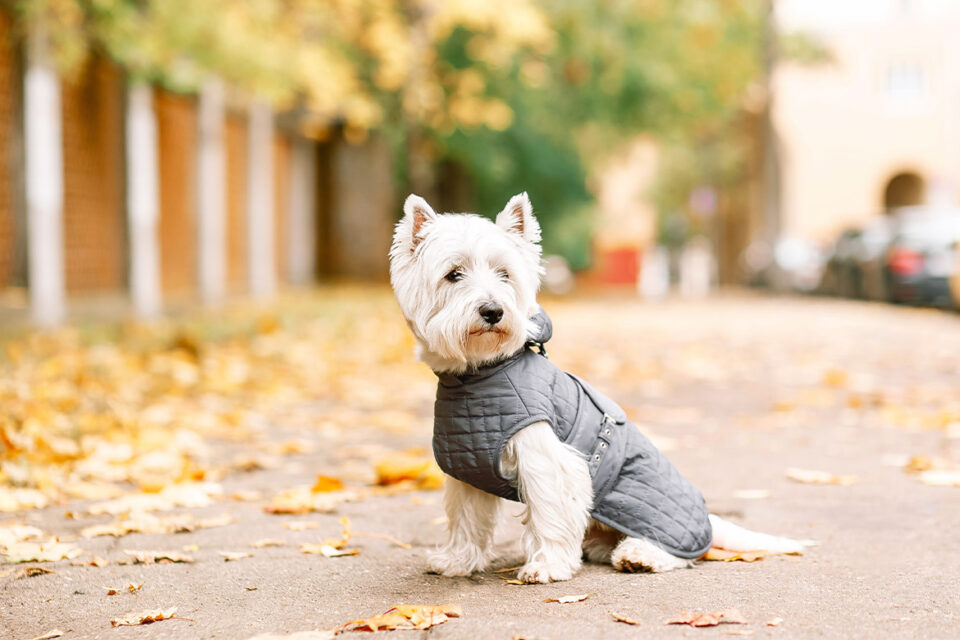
(467, 286)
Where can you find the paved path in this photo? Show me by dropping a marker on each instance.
(737, 390)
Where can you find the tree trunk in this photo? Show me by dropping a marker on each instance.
(43, 147)
(302, 213)
(143, 200)
(261, 263)
(211, 194)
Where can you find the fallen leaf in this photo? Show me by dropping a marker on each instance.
(507, 570)
(811, 476)
(836, 378)
(727, 616)
(49, 635)
(21, 552)
(149, 523)
(723, 555)
(290, 447)
(916, 464)
(95, 561)
(132, 588)
(774, 622)
(268, 542)
(190, 548)
(16, 499)
(187, 494)
(300, 635)
(414, 466)
(14, 532)
(941, 478)
(144, 617)
(405, 616)
(301, 525)
(325, 484)
(327, 550)
(624, 619)
(568, 599)
(245, 495)
(229, 556)
(221, 520)
(739, 632)
(157, 557)
(29, 572)
(303, 500)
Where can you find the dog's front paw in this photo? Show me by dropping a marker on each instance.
(544, 572)
(457, 562)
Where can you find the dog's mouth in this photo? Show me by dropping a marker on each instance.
(485, 330)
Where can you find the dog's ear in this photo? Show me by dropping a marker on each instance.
(517, 217)
(420, 214)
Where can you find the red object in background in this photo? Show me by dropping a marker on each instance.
(620, 266)
(905, 262)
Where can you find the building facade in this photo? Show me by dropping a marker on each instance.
(877, 126)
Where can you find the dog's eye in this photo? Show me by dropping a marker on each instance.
(503, 274)
(454, 276)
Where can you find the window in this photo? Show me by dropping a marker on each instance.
(906, 82)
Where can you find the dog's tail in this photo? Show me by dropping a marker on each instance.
(731, 537)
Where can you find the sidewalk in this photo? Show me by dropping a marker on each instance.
(736, 390)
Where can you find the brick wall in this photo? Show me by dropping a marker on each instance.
(235, 134)
(9, 93)
(363, 210)
(94, 224)
(177, 134)
(281, 195)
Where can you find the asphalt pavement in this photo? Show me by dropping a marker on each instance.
(738, 390)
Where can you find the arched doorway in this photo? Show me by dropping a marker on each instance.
(903, 190)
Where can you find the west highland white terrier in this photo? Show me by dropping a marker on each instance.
(509, 424)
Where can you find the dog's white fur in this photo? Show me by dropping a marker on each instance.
(443, 269)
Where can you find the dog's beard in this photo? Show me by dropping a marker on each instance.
(454, 335)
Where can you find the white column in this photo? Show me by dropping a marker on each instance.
(261, 262)
(301, 215)
(43, 146)
(143, 200)
(211, 194)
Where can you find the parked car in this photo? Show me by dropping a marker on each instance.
(922, 257)
(841, 271)
(869, 253)
(855, 268)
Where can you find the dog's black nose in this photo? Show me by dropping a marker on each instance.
(492, 313)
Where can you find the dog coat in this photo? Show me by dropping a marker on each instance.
(636, 490)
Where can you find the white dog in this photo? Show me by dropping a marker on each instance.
(591, 484)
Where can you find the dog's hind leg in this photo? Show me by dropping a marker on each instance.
(599, 542)
(554, 483)
(472, 517)
(634, 555)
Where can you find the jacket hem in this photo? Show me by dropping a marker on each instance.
(680, 553)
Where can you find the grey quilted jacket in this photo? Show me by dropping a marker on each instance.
(637, 491)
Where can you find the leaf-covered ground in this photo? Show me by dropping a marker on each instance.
(267, 470)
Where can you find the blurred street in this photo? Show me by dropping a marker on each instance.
(256, 430)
